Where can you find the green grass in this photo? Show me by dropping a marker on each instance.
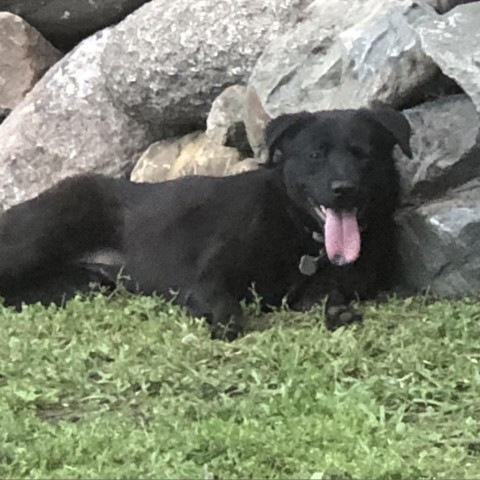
(132, 388)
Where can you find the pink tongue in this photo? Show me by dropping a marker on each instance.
(342, 237)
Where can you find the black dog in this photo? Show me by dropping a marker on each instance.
(330, 184)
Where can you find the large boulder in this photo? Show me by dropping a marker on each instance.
(24, 57)
(445, 148)
(402, 53)
(66, 125)
(152, 76)
(65, 22)
(168, 61)
(452, 41)
(440, 243)
(439, 232)
(220, 150)
(372, 52)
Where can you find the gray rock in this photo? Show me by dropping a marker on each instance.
(24, 57)
(66, 125)
(227, 109)
(168, 61)
(345, 55)
(225, 122)
(349, 55)
(439, 239)
(444, 145)
(151, 77)
(453, 42)
(65, 22)
(439, 244)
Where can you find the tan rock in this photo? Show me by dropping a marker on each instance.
(204, 157)
(194, 154)
(156, 162)
(243, 166)
(24, 57)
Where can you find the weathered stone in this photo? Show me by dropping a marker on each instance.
(227, 110)
(225, 122)
(444, 145)
(66, 125)
(439, 239)
(65, 22)
(194, 154)
(453, 42)
(24, 57)
(155, 163)
(204, 157)
(168, 61)
(439, 244)
(153, 76)
(346, 54)
(256, 119)
(367, 52)
(243, 166)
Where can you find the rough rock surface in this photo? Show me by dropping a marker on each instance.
(151, 77)
(168, 61)
(194, 154)
(372, 53)
(440, 243)
(225, 122)
(65, 22)
(444, 145)
(66, 125)
(439, 238)
(156, 161)
(24, 57)
(453, 42)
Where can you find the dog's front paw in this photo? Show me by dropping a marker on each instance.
(222, 313)
(226, 321)
(337, 316)
(226, 330)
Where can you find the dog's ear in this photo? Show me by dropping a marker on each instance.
(280, 127)
(396, 125)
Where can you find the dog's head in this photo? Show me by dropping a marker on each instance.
(337, 166)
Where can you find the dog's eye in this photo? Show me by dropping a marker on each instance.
(319, 153)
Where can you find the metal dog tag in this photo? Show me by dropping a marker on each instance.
(308, 265)
(318, 237)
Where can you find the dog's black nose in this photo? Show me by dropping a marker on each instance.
(342, 187)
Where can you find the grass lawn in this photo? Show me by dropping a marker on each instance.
(125, 387)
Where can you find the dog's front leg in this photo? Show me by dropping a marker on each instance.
(339, 311)
(338, 296)
(221, 311)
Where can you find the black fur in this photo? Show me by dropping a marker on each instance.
(207, 240)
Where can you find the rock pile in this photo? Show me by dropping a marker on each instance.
(186, 87)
